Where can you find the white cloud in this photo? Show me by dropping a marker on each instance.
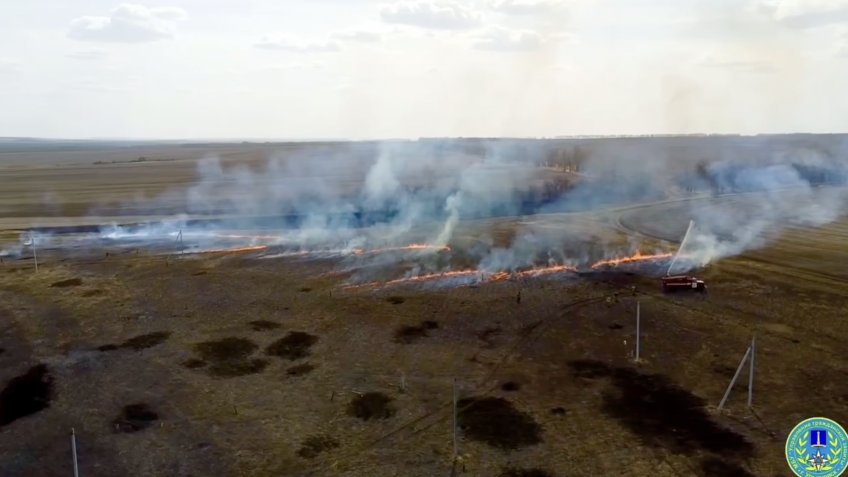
(439, 15)
(8, 66)
(526, 7)
(298, 66)
(88, 55)
(806, 13)
(364, 36)
(738, 65)
(842, 45)
(295, 45)
(128, 23)
(497, 38)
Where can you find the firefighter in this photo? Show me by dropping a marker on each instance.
(518, 297)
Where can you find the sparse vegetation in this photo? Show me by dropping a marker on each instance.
(496, 422)
(208, 347)
(145, 341)
(371, 405)
(300, 369)
(70, 282)
(409, 334)
(293, 346)
(264, 325)
(26, 394)
(230, 357)
(314, 445)
(134, 418)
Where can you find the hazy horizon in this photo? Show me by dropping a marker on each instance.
(363, 69)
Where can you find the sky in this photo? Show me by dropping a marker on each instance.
(359, 69)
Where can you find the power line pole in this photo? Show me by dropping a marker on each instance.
(733, 381)
(34, 250)
(455, 424)
(74, 450)
(751, 371)
(637, 329)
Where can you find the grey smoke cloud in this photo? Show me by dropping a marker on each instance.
(342, 198)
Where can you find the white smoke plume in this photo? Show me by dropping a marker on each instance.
(361, 196)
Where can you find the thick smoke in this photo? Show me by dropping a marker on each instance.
(348, 198)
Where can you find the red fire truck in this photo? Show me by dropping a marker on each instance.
(682, 282)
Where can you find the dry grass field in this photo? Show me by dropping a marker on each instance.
(226, 364)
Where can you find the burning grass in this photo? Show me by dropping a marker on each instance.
(637, 257)
(475, 276)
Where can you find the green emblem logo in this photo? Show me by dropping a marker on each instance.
(817, 447)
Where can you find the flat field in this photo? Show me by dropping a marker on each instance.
(227, 364)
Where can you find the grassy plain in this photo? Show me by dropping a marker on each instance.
(230, 365)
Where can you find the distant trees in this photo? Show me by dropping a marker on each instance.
(566, 158)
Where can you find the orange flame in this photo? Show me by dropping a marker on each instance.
(417, 279)
(636, 257)
(547, 271)
(484, 277)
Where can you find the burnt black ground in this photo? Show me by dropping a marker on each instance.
(516, 472)
(70, 282)
(314, 445)
(264, 325)
(229, 357)
(408, 334)
(371, 405)
(134, 418)
(498, 423)
(660, 413)
(293, 346)
(145, 341)
(300, 369)
(26, 394)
